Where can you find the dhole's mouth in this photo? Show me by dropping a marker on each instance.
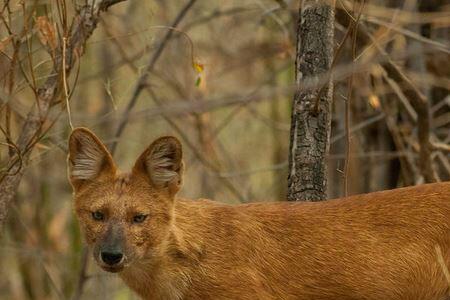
(112, 269)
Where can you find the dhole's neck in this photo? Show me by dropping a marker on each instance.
(167, 274)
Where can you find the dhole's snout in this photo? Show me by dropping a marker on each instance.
(109, 253)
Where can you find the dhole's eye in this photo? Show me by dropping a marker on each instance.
(139, 218)
(98, 215)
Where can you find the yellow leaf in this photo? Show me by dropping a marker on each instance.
(198, 67)
(374, 101)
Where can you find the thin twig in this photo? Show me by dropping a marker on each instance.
(441, 261)
(66, 93)
(82, 277)
(441, 147)
(354, 29)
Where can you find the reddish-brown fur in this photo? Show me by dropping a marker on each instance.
(375, 246)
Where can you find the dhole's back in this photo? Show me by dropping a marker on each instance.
(374, 246)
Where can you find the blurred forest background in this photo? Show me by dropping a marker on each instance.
(220, 76)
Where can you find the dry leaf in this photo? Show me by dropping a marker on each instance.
(374, 101)
(46, 32)
(5, 42)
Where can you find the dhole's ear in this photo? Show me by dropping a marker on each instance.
(88, 158)
(162, 164)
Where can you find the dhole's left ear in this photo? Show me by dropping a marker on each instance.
(88, 159)
(161, 163)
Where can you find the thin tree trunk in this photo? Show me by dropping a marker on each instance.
(311, 111)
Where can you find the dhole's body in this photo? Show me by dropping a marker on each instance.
(374, 246)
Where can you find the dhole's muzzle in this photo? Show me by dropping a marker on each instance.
(109, 251)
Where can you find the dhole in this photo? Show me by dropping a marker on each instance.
(380, 246)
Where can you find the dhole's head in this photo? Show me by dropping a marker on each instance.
(125, 217)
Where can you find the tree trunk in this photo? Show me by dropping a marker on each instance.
(311, 111)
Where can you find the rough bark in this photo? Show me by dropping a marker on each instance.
(83, 25)
(311, 111)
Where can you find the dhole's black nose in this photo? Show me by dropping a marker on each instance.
(111, 258)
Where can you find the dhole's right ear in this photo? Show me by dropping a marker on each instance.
(88, 158)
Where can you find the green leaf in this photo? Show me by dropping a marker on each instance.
(198, 81)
